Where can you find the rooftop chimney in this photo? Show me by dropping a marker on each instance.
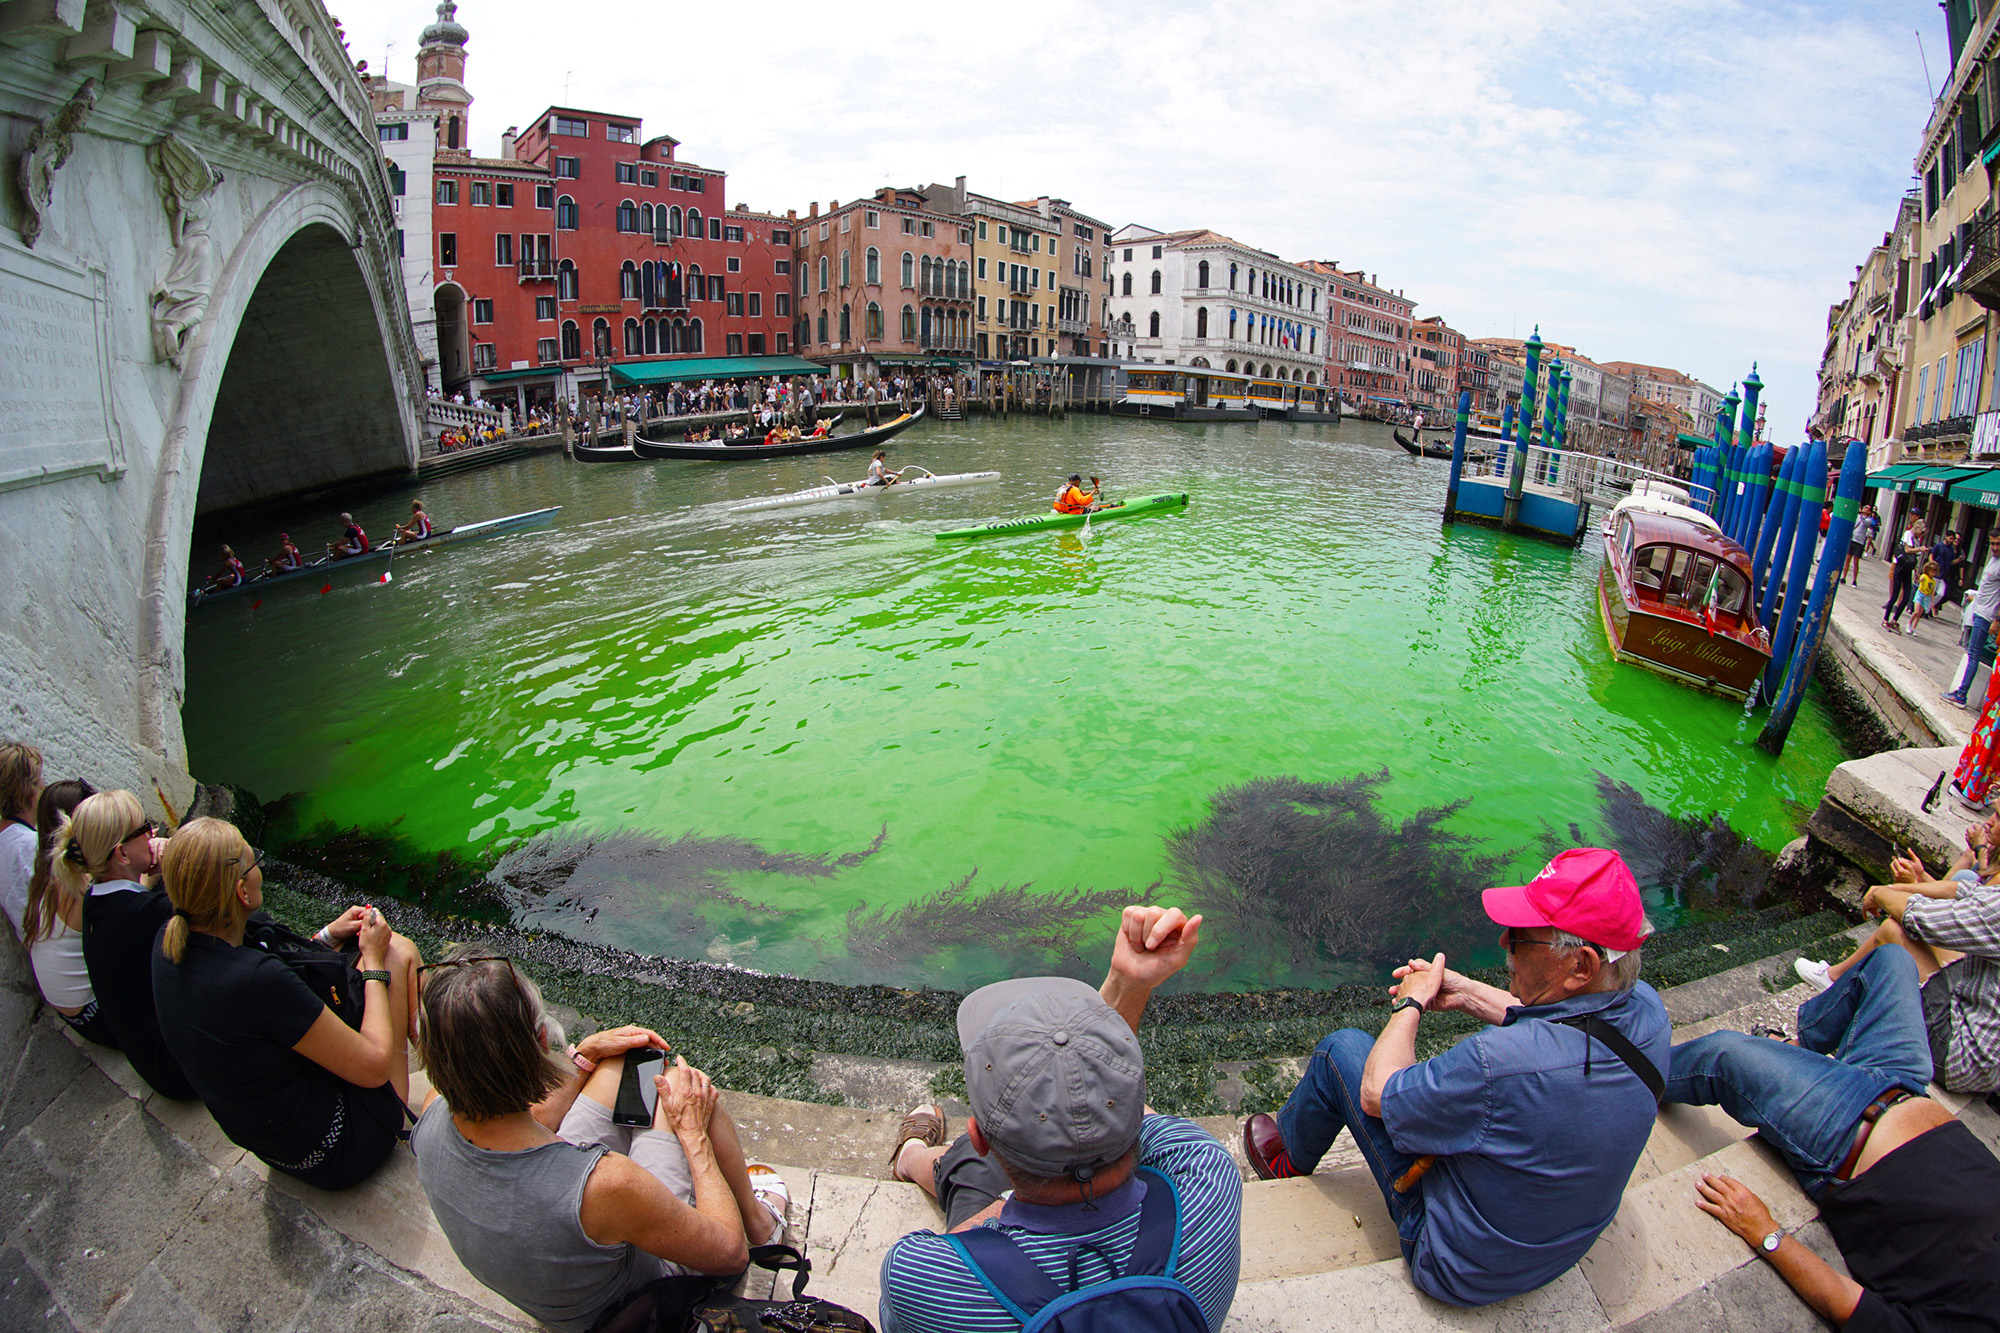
(961, 187)
(507, 141)
(813, 210)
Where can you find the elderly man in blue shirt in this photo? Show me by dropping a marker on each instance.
(1504, 1157)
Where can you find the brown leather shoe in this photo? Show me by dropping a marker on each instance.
(1264, 1145)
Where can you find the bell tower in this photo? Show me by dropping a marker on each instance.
(441, 79)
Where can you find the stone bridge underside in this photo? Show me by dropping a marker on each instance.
(200, 307)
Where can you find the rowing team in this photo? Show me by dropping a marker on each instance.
(353, 541)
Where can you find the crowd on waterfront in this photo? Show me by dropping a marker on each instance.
(152, 940)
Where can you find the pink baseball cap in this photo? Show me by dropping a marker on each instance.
(1586, 891)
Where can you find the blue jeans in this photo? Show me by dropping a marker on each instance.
(1857, 1039)
(1963, 681)
(1327, 1100)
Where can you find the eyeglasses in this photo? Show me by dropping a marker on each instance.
(256, 862)
(145, 830)
(1510, 941)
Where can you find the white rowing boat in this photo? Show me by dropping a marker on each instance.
(838, 490)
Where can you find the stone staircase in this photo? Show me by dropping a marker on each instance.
(119, 1209)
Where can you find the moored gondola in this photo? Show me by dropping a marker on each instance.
(620, 453)
(1433, 449)
(753, 448)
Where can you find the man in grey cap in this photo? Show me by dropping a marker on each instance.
(1060, 1152)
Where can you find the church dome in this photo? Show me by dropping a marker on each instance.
(447, 28)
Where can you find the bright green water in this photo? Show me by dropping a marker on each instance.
(1037, 707)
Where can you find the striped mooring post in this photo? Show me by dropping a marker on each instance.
(1798, 674)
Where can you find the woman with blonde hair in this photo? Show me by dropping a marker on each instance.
(20, 788)
(284, 1076)
(52, 927)
(102, 854)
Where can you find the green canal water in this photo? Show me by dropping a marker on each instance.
(818, 741)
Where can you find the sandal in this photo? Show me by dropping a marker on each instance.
(926, 1125)
(770, 1189)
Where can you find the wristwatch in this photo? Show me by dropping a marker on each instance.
(1407, 1002)
(1769, 1245)
(582, 1061)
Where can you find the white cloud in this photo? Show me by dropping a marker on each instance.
(1688, 182)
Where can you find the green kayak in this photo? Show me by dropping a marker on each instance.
(1144, 504)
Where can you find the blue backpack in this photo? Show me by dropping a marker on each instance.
(1147, 1296)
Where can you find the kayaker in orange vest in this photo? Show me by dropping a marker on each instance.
(1074, 499)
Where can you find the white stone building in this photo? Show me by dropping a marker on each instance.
(1198, 298)
(408, 133)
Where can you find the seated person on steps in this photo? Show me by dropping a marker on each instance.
(1062, 1180)
(1951, 929)
(1493, 1189)
(1911, 1197)
(542, 1196)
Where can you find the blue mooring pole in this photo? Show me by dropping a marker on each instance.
(1551, 429)
(1774, 515)
(1805, 535)
(1507, 421)
(1781, 550)
(1759, 492)
(1846, 505)
(1700, 472)
(1457, 455)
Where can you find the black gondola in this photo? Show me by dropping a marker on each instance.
(1433, 450)
(618, 453)
(751, 448)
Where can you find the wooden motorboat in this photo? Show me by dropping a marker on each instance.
(1677, 597)
(754, 447)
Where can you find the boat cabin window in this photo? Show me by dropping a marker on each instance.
(1625, 541)
(1653, 565)
(1685, 578)
(1154, 383)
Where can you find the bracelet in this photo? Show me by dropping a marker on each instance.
(582, 1061)
(322, 937)
(376, 974)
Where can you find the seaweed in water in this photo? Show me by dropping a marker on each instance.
(1700, 864)
(1013, 921)
(684, 867)
(1307, 874)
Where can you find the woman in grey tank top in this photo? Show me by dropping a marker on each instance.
(544, 1199)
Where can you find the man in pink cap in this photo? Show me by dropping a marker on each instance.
(1504, 1157)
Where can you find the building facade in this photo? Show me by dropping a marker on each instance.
(411, 123)
(1436, 352)
(1663, 384)
(1861, 365)
(884, 282)
(1198, 298)
(1018, 268)
(1371, 335)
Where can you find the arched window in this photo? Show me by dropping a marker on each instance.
(694, 336)
(673, 338)
(565, 214)
(822, 279)
(1232, 325)
(1312, 377)
(1153, 325)
(566, 285)
(909, 333)
(635, 342)
(571, 344)
(874, 267)
(652, 337)
(695, 289)
(1156, 282)
(846, 268)
(1232, 277)
(846, 325)
(645, 217)
(451, 133)
(1231, 366)
(1267, 370)
(822, 326)
(1201, 274)
(1128, 286)
(600, 337)
(694, 222)
(628, 282)
(1201, 321)
(874, 322)
(674, 220)
(628, 215)
(909, 270)
(925, 327)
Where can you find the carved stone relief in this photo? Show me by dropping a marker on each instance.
(49, 146)
(180, 296)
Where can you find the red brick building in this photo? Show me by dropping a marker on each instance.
(1370, 358)
(586, 241)
(884, 281)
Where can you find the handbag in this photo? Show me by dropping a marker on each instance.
(695, 1303)
(331, 974)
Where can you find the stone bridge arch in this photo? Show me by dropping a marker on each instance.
(201, 305)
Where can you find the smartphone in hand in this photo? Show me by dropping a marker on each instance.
(637, 1093)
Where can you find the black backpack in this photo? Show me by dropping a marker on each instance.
(332, 974)
(694, 1303)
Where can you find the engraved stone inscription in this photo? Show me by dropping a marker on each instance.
(54, 410)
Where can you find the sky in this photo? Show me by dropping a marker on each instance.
(1688, 183)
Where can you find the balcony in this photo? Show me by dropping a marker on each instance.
(1871, 364)
(1979, 275)
(1073, 325)
(537, 270)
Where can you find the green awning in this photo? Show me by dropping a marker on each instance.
(1687, 441)
(1939, 480)
(1981, 489)
(509, 376)
(712, 368)
(1897, 478)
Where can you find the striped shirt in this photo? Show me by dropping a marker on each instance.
(1969, 923)
(926, 1287)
